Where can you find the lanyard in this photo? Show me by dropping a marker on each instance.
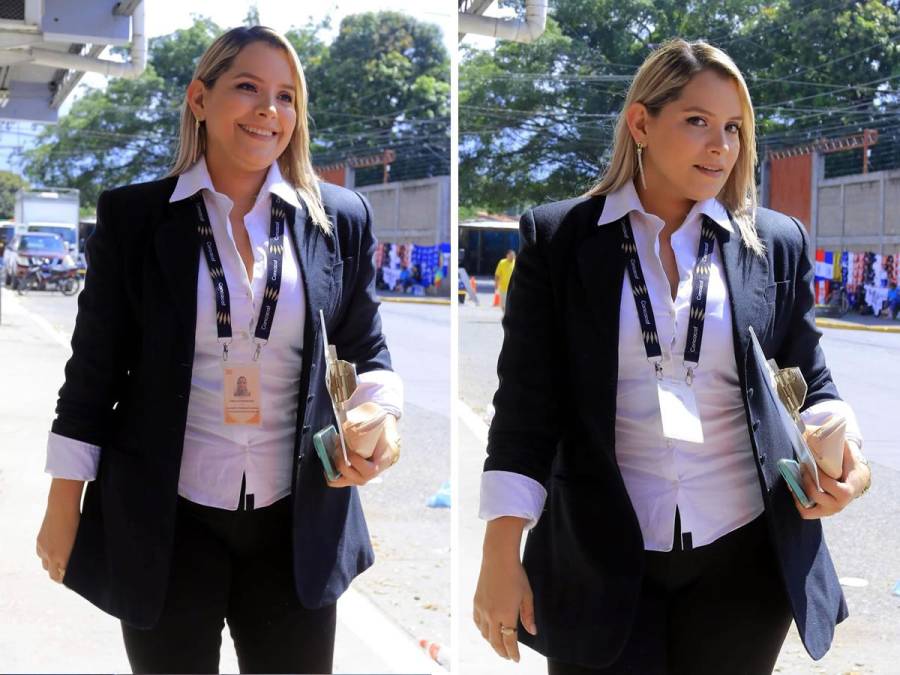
(220, 286)
(645, 307)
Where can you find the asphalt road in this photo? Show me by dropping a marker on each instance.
(864, 539)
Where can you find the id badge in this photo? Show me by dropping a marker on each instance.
(678, 408)
(242, 394)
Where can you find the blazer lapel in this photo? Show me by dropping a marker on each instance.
(315, 251)
(746, 276)
(178, 251)
(601, 267)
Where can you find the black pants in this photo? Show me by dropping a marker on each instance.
(234, 566)
(720, 608)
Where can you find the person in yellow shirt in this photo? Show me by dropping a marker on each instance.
(502, 275)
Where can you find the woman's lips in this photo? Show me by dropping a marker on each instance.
(707, 172)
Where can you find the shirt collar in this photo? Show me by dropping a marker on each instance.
(625, 199)
(197, 178)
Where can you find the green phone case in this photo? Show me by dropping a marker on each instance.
(327, 444)
(791, 472)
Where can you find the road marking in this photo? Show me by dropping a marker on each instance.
(381, 635)
(10, 300)
(473, 421)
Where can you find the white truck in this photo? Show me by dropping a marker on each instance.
(49, 210)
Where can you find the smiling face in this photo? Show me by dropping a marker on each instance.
(250, 112)
(693, 143)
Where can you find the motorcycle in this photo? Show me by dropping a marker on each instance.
(44, 277)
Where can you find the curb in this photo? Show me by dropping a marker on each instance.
(847, 325)
(414, 301)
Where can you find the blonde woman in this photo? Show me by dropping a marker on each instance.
(661, 537)
(203, 505)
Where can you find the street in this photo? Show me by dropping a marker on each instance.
(403, 597)
(864, 539)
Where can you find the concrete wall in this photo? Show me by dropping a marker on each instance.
(416, 211)
(859, 212)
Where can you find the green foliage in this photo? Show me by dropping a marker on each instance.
(383, 82)
(536, 121)
(9, 184)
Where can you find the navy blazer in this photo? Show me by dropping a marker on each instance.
(555, 422)
(129, 378)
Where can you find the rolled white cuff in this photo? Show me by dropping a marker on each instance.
(506, 493)
(72, 459)
(383, 387)
(821, 411)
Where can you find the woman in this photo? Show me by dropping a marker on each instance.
(664, 540)
(203, 507)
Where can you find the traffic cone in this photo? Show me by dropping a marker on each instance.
(474, 285)
(496, 298)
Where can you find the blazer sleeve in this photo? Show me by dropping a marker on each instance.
(526, 428)
(801, 344)
(95, 371)
(358, 337)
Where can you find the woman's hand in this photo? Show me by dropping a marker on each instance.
(57, 534)
(838, 493)
(360, 470)
(503, 594)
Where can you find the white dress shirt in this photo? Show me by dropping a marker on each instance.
(714, 484)
(217, 456)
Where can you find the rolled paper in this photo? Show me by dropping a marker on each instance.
(363, 427)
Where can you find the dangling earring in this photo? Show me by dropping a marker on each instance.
(640, 151)
(197, 125)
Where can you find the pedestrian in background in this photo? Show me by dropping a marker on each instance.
(189, 403)
(893, 300)
(663, 540)
(502, 275)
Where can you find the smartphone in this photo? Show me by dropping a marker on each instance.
(328, 448)
(791, 472)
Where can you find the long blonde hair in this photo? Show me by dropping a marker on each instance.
(659, 81)
(295, 162)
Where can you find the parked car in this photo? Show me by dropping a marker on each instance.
(34, 248)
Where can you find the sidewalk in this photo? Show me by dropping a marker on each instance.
(853, 321)
(55, 630)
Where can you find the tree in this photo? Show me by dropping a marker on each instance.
(536, 120)
(10, 183)
(388, 86)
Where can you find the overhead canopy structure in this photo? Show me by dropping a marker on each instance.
(529, 29)
(46, 47)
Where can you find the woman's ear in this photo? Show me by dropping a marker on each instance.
(636, 117)
(196, 96)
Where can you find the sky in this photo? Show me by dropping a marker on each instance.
(165, 16)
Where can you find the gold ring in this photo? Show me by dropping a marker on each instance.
(506, 630)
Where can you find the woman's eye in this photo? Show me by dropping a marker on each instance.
(246, 84)
(735, 128)
(288, 98)
(692, 120)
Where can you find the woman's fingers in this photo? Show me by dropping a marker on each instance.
(509, 637)
(526, 612)
(496, 638)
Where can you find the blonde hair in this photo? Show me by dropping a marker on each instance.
(295, 162)
(659, 81)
